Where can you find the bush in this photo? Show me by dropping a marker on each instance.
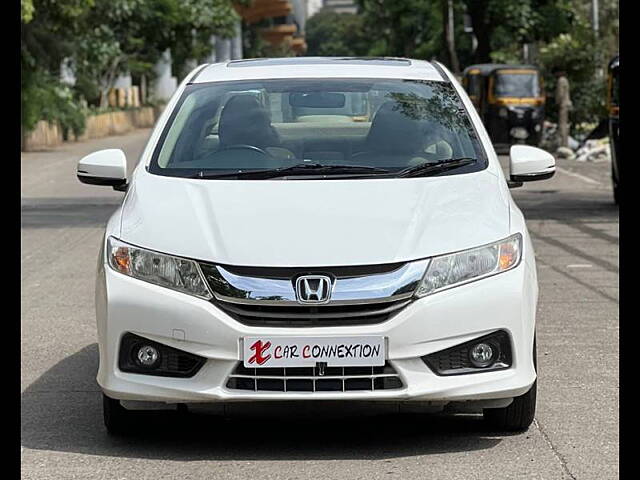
(575, 53)
(44, 97)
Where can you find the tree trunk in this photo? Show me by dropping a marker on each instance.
(108, 80)
(448, 31)
(143, 90)
(482, 28)
(104, 97)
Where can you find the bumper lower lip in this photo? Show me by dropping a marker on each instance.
(430, 324)
(422, 386)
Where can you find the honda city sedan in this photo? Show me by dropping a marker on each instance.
(306, 229)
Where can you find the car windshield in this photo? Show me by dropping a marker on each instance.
(473, 84)
(328, 126)
(520, 84)
(615, 89)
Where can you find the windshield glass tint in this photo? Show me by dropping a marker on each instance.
(473, 85)
(517, 85)
(225, 127)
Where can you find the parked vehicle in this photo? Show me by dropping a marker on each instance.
(510, 101)
(613, 106)
(260, 255)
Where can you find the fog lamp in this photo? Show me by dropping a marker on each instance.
(483, 354)
(147, 356)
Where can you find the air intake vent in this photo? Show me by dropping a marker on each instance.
(308, 379)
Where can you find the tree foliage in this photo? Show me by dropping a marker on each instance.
(49, 28)
(330, 33)
(102, 39)
(574, 53)
(411, 28)
(558, 33)
(26, 10)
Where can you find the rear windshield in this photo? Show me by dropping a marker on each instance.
(517, 85)
(223, 127)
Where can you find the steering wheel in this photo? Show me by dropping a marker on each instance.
(246, 147)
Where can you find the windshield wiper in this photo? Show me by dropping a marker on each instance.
(429, 168)
(299, 169)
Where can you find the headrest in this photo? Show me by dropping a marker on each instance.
(393, 131)
(244, 121)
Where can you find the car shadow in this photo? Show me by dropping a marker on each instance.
(567, 206)
(67, 212)
(62, 411)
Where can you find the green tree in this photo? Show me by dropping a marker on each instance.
(411, 28)
(102, 39)
(329, 33)
(26, 10)
(573, 53)
(130, 36)
(49, 28)
(502, 26)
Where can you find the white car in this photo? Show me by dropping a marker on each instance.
(318, 229)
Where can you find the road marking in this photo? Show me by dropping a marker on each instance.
(580, 265)
(577, 175)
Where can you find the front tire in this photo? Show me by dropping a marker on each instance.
(117, 419)
(519, 415)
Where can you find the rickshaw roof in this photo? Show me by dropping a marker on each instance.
(488, 68)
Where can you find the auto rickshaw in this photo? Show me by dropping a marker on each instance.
(509, 99)
(613, 106)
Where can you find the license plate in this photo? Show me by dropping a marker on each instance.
(365, 351)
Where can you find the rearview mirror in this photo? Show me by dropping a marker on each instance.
(528, 164)
(104, 167)
(317, 100)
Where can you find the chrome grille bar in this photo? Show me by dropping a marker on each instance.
(397, 284)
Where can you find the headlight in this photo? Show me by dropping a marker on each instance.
(153, 267)
(448, 271)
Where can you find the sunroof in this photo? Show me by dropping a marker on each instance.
(265, 62)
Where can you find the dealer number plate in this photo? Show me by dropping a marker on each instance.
(260, 352)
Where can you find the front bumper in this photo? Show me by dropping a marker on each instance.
(506, 301)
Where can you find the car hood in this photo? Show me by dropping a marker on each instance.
(314, 222)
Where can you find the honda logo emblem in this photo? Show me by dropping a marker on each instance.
(313, 289)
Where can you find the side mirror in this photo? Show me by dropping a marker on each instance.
(104, 167)
(529, 164)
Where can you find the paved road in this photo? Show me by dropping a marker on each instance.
(575, 436)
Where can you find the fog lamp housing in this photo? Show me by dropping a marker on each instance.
(144, 356)
(487, 353)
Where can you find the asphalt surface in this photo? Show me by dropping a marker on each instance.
(574, 226)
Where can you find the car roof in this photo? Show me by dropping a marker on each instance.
(319, 67)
